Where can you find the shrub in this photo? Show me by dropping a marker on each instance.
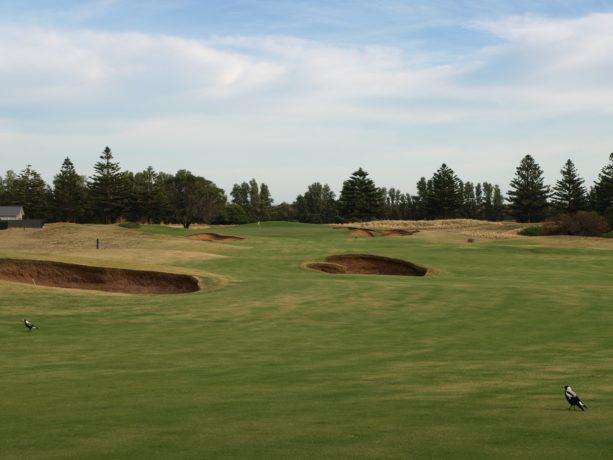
(130, 225)
(580, 224)
(608, 214)
(232, 214)
(534, 230)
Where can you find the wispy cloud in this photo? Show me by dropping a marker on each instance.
(239, 94)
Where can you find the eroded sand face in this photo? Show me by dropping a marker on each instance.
(59, 274)
(366, 264)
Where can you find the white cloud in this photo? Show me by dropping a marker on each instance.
(560, 52)
(39, 66)
(274, 102)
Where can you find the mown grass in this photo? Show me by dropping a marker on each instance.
(283, 362)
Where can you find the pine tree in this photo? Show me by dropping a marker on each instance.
(32, 193)
(69, 193)
(145, 205)
(163, 207)
(528, 194)
(602, 192)
(107, 189)
(422, 200)
(488, 201)
(265, 201)
(360, 199)
(479, 201)
(446, 194)
(497, 204)
(469, 201)
(9, 189)
(569, 193)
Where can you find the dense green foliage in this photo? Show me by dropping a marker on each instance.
(528, 195)
(533, 230)
(602, 193)
(150, 196)
(317, 205)
(31, 192)
(569, 193)
(108, 191)
(445, 197)
(69, 193)
(283, 362)
(360, 198)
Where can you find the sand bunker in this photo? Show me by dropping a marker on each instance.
(365, 264)
(362, 232)
(58, 274)
(215, 237)
(399, 232)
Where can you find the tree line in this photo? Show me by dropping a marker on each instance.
(112, 194)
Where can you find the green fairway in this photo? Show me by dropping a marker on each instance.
(281, 362)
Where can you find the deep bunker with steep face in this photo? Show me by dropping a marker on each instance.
(367, 264)
(64, 275)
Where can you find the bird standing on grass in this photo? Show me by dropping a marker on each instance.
(29, 325)
(573, 398)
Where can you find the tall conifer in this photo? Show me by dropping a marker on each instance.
(528, 194)
(107, 189)
(569, 193)
(69, 192)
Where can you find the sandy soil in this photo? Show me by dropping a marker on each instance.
(366, 264)
(57, 274)
(215, 237)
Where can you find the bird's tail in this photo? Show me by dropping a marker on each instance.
(582, 406)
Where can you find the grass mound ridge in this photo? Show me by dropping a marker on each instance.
(209, 236)
(64, 275)
(367, 264)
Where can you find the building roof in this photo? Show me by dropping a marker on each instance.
(10, 210)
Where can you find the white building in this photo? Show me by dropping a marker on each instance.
(11, 213)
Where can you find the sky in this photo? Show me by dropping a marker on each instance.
(295, 92)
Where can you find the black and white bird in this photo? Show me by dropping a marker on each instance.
(29, 325)
(573, 398)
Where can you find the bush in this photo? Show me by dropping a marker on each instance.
(130, 225)
(231, 214)
(580, 224)
(608, 214)
(534, 230)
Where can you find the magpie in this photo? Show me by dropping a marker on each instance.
(29, 325)
(573, 399)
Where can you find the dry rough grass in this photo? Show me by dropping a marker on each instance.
(80, 240)
(119, 248)
(460, 228)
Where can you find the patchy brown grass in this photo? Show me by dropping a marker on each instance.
(459, 229)
(119, 248)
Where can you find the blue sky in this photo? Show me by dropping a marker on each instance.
(293, 92)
